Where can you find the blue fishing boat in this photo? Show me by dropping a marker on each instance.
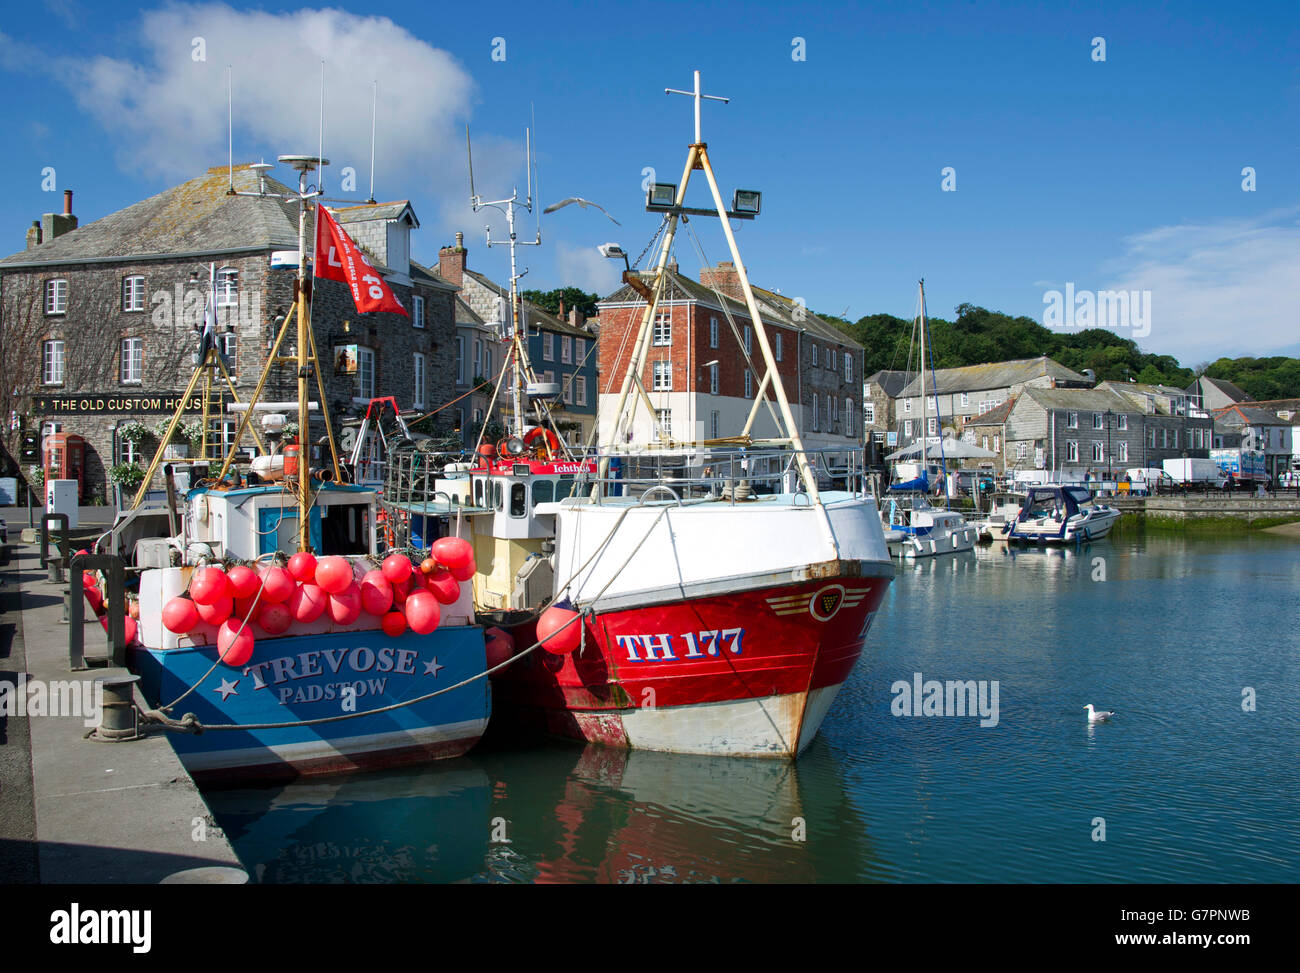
(266, 665)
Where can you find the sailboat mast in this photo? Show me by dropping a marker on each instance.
(302, 317)
(515, 390)
(924, 400)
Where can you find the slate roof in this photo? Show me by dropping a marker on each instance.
(425, 276)
(1242, 415)
(1081, 400)
(891, 381)
(995, 416)
(774, 307)
(196, 217)
(991, 375)
(375, 211)
(1223, 385)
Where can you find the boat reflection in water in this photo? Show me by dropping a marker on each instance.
(392, 826)
(593, 814)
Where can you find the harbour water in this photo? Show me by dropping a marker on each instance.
(1195, 643)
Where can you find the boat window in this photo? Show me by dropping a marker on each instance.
(346, 529)
(518, 499)
(543, 491)
(498, 499)
(478, 491)
(564, 487)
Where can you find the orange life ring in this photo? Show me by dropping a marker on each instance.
(548, 440)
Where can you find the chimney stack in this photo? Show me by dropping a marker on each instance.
(34, 235)
(451, 261)
(724, 279)
(56, 224)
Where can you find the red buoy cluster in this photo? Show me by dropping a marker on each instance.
(400, 594)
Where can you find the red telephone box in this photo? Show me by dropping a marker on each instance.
(65, 458)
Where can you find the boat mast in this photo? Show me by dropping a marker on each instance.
(925, 427)
(697, 157)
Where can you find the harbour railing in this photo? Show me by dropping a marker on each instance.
(731, 473)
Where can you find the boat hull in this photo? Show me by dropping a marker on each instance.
(747, 669)
(301, 678)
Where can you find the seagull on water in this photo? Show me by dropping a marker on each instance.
(1097, 716)
(584, 203)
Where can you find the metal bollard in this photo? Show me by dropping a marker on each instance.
(55, 565)
(118, 721)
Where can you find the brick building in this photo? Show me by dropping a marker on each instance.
(699, 378)
(100, 322)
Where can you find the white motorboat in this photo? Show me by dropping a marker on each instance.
(914, 528)
(1060, 515)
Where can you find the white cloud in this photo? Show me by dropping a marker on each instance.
(584, 267)
(166, 112)
(1225, 288)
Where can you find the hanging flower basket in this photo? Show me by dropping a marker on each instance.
(132, 432)
(126, 475)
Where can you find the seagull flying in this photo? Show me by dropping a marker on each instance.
(1097, 716)
(584, 203)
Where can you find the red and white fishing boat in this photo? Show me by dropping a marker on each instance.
(711, 623)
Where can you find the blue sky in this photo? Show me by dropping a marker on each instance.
(1122, 173)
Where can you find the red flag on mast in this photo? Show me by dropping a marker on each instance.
(337, 258)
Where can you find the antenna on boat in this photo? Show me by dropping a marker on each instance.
(320, 147)
(230, 127)
(374, 111)
(513, 330)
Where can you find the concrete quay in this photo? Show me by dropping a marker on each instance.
(73, 810)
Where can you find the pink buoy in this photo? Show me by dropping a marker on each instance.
(422, 612)
(454, 552)
(130, 627)
(277, 585)
(400, 591)
(393, 624)
(463, 573)
(345, 606)
(334, 574)
(244, 606)
(557, 632)
(97, 600)
(443, 586)
(500, 646)
(209, 586)
(397, 567)
(235, 642)
(244, 581)
(217, 612)
(303, 567)
(179, 615)
(376, 593)
(274, 619)
(307, 603)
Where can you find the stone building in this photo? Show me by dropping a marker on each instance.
(1076, 432)
(100, 322)
(956, 395)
